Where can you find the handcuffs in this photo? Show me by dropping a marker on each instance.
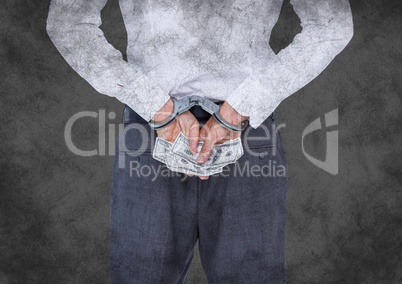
(186, 103)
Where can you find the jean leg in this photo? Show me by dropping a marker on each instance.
(242, 216)
(153, 219)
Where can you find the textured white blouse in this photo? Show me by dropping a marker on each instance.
(217, 49)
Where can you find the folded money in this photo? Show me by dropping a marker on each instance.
(162, 150)
(222, 154)
(178, 157)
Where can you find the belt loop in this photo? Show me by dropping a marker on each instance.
(125, 115)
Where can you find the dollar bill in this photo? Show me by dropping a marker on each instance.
(222, 154)
(197, 168)
(178, 157)
(162, 150)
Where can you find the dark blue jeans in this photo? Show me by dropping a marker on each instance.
(158, 215)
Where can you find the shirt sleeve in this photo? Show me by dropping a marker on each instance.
(327, 28)
(73, 27)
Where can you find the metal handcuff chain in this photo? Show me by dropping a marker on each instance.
(186, 103)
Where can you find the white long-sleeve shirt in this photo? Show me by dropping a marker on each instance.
(215, 49)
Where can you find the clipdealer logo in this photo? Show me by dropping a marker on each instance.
(102, 133)
(330, 164)
(107, 133)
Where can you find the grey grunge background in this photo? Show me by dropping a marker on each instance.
(54, 205)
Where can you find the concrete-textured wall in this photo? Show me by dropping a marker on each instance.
(54, 205)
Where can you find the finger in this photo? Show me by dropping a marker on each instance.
(190, 175)
(190, 127)
(205, 151)
(203, 177)
(184, 123)
(194, 137)
(207, 137)
(204, 131)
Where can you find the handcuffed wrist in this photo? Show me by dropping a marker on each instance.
(158, 124)
(232, 127)
(180, 106)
